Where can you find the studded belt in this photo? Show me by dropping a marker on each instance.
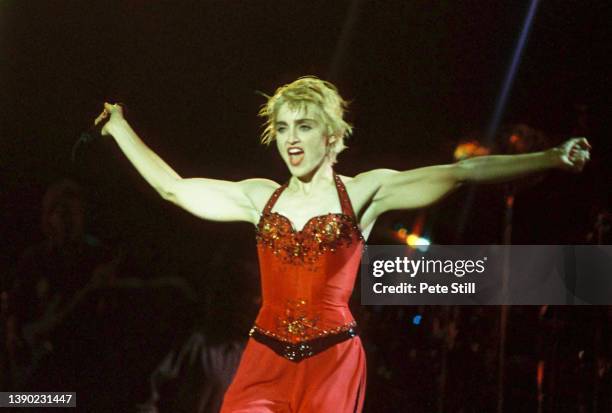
(297, 352)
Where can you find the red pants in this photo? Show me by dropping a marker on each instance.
(330, 382)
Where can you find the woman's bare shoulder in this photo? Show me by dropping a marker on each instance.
(259, 184)
(367, 178)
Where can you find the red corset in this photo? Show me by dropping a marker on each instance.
(307, 276)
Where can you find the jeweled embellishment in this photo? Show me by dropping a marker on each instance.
(297, 325)
(300, 325)
(320, 234)
(315, 332)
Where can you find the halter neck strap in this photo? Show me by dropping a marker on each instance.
(345, 202)
(273, 199)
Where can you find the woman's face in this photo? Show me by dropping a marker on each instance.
(301, 139)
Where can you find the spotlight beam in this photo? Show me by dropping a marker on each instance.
(511, 73)
(500, 104)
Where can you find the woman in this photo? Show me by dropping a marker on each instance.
(304, 354)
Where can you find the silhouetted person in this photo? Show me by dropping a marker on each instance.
(52, 280)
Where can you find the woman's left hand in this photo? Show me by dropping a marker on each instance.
(573, 154)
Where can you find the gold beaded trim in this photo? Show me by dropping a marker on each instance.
(320, 234)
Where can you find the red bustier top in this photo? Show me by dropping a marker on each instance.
(307, 276)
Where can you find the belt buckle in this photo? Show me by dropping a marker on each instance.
(297, 352)
(289, 352)
(305, 350)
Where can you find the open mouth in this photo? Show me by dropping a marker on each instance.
(296, 155)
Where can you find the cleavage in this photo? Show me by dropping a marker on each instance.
(299, 223)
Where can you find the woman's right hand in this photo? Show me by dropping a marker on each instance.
(112, 113)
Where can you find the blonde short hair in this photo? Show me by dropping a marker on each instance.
(298, 94)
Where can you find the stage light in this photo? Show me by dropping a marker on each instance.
(500, 104)
(416, 242)
(416, 320)
(469, 149)
(512, 71)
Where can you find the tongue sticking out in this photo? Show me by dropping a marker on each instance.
(296, 159)
(296, 155)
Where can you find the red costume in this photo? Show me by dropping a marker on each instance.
(303, 354)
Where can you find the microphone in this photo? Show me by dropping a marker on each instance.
(91, 134)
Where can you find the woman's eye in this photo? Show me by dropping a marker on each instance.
(280, 129)
(305, 127)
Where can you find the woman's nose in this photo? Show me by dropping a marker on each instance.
(293, 138)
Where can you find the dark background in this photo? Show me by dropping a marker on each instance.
(421, 77)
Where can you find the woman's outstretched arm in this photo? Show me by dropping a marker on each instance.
(423, 186)
(210, 199)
